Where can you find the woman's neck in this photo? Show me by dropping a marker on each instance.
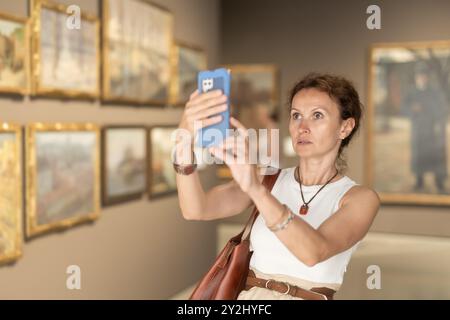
(316, 174)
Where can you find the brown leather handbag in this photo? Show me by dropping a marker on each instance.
(227, 277)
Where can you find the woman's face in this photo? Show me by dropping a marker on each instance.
(315, 118)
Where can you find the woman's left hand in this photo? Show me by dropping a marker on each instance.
(239, 153)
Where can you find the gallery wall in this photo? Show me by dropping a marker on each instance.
(331, 36)
(137, 250)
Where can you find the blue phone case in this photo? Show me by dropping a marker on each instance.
(211, 80)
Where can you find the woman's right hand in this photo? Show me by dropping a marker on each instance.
(203, 108)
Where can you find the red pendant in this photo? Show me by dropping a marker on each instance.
(304, 209)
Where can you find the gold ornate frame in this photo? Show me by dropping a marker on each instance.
(174, 79)
(26, 23)
(394, 198)
(106, 92)
(36, 87)
(32, 229)
(12, 128)
(111, 200)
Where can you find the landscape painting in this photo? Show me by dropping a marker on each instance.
(162, 180)
(137, 44)
(14, 54)
(63, 169)
(10, 193)
(124, 163)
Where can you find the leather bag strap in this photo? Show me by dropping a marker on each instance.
(268, 182)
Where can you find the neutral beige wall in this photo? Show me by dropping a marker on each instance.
(331, 36)
(141, 249)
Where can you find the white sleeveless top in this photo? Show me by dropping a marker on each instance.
(271, 256)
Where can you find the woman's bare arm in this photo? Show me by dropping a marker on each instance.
(348, 225)
(221, 201)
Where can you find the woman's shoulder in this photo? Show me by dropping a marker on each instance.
(361, 195)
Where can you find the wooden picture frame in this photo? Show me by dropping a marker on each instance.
(79, 56)
(130, 169)
(17, 62)
(139, 40)
(63, 176)
(408, 110)
(161, 175)
(187, 61)
(11, 195)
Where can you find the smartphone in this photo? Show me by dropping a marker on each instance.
(211, 80)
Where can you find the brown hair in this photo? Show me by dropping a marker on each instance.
(343, 93)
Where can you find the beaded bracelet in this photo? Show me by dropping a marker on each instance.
(282, 225)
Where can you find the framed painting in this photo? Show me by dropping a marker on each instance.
(161, 175)
(137, 44)
(187, 62)
(63, 178)
(59, 51)
(10, 193)
(408, 122)
(124, 163)
(14, 54)
(255, 92)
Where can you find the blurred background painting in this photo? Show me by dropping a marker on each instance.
(411, 106)
(14, 54)
(63, 185)
(137, 45)
(161, 174)
(187, 62)
(60, 51)
(124, 163)
(10, 194)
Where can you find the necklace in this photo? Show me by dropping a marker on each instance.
(304, 208)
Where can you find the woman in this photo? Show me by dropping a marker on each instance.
(314, 217)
